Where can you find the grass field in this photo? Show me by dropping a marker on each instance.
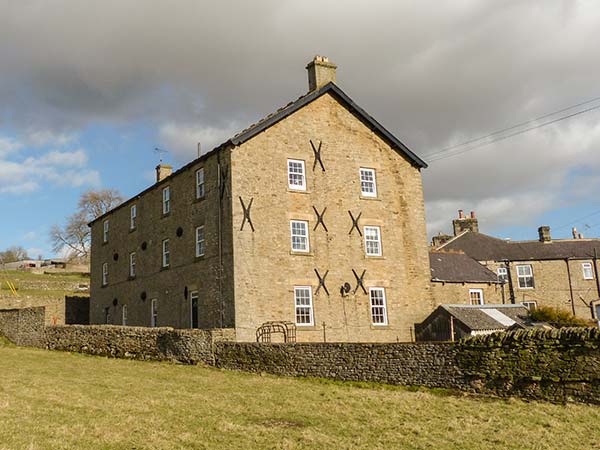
(53, 400)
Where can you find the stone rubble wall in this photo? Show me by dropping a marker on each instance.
(431, 365)
(24, 326)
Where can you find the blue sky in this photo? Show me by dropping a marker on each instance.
(88, 91)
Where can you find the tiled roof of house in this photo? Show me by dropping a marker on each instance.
(487, 248)
(457, 267)
(488, 317)
(284, 112)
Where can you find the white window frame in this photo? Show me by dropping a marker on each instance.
(299, 236)
(124, 315)
(200, 191)
(133, 217)
(166, 200)
(364, 183)
(374, 307)
(197, 296)
(153, 312)
(105, 226)
(368, 251)
(587, 266)
(524, 277)
(166, 253)
(105, 274)
(200, 241)
(529, 303)
(502, 272)
(480, 294)
(132, 264)
(294, 186)
(297, 306)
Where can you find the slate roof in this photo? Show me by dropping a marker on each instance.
(487, 248)
(474, 317)
(458, 268)
(281, 114)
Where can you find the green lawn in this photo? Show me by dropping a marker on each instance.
(53, 400)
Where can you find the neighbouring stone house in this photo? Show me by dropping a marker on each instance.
(561, 273)
(312, 216)
(457, 278)
(453, 322)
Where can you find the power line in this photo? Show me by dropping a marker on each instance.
(578, 220)
(471, 141)
(438, 158)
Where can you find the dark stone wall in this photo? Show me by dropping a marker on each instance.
(555, 365)
(77, 310)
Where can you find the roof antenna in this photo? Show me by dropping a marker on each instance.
(199, 149)
(160, 153)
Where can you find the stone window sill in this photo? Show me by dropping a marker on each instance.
(364, 197)
(200, 199)
(298, 191)
(296, 253)
(165, 268)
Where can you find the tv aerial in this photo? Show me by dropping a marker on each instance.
(160, 152)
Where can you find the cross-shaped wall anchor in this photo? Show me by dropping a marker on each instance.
(320, 218)
(355, 223)
(322, 282)
(247, 214)
(317, 152)
(359, 281)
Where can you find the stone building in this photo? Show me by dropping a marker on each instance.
(456, 278)
(314, 216)
(562, 273)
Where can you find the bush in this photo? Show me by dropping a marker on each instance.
(559, 317)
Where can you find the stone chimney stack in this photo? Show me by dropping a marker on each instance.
(163, 171)
(465, 223)
(544, 233)
(320, 72)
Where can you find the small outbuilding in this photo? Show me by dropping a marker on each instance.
(453, 322)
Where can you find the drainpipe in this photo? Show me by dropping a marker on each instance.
(570, 285)
(511, 289)
(596, 272)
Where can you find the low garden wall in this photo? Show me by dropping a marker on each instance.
(432, 365)
(554, 365)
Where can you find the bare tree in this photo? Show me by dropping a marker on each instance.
(13, 254)
(75, 236)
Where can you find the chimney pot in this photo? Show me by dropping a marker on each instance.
(575, 234)
(320, 72)
(461, 214)
(163, 171)
(472, 214)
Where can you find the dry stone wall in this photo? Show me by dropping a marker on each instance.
(431, 365)
(23, 326)
(187, 346)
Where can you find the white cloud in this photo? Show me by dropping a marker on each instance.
(8, 145)
(76, 158)
(54, 167)
(182, 140)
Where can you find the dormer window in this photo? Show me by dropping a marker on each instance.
(296, 175)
